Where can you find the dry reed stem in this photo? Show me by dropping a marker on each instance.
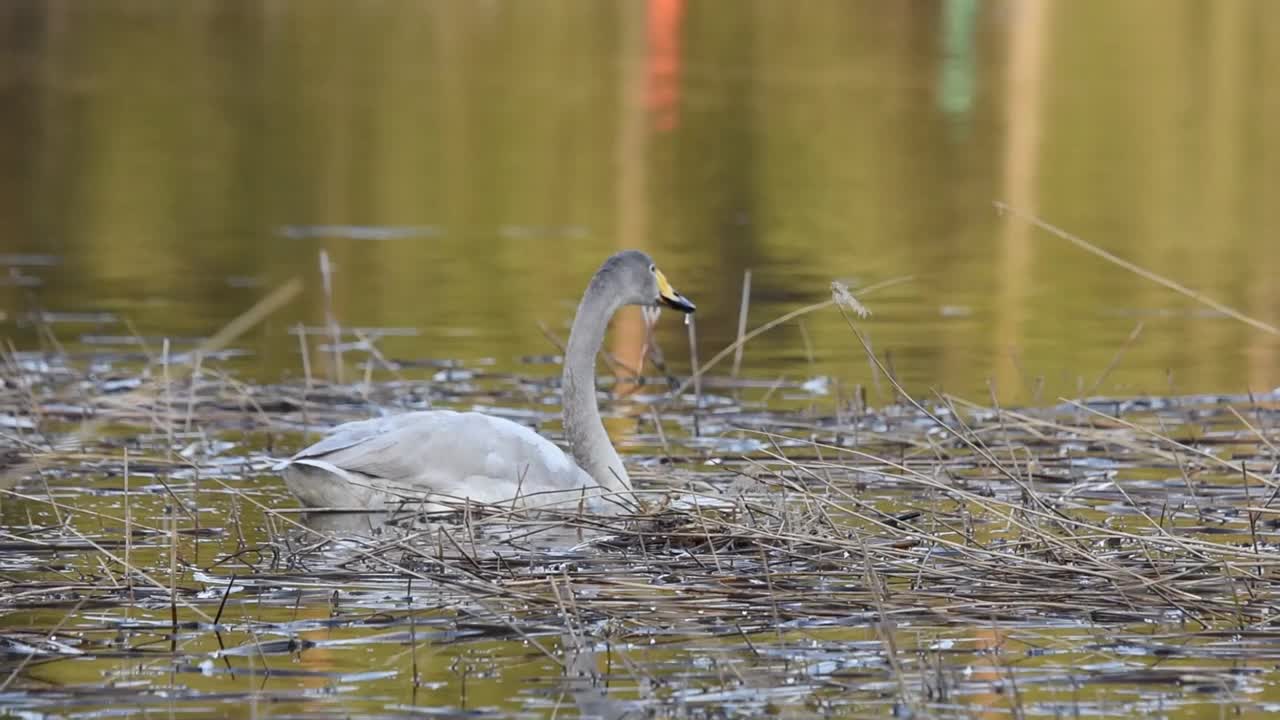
(794, 544)
(743, 308)
(774, 323)
(1137, 270)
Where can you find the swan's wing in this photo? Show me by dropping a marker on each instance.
(445, 450)
(352, 434)
(443, 453)
(397, 447)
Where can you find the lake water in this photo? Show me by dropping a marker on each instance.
(462, 167)
(475, 161)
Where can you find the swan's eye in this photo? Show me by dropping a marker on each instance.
(653, 268)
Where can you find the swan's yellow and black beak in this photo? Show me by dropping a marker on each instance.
(668, 296)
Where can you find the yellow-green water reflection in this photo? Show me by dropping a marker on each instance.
(159, 149)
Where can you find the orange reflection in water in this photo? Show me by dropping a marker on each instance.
(664, 63)
(649, 99)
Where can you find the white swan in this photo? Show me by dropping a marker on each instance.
(441, 455)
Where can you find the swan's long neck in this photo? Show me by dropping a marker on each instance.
(591, 446)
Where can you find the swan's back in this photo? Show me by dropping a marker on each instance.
(436, 456)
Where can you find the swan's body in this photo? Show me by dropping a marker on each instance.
(452, 455)
(441, 456)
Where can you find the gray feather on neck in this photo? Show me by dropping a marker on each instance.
(588, 440)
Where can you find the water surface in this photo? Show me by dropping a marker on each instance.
(463, 167)
(467, 165)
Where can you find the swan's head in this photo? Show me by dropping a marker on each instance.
(633, 275)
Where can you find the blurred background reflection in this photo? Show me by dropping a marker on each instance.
(466, 165)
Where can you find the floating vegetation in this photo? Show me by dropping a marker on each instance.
(1109, 556)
